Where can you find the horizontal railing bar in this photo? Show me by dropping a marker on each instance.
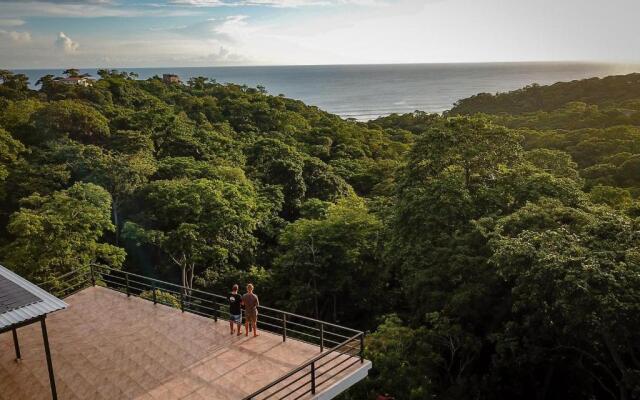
(168, 283)
(105, 279)
(306, 373)
(79, 275)
(75, 271)
(259, 307)
(122, 278)
(66, 288)
(340, 354)
(303, 333)
(69, 283)
(296, 389)
(304, 394)
(201, 306)
(350, 356)
(298, 369)
(349, 348)
(336, 334)
(336, 374)
(71, 288)
(141, 289)
(64, 295)
(311, 319)
(201, 299)
(271, 317)
(268, 324)
(140, 283)
(331, 341)
(304, 326)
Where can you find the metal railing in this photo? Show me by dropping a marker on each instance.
(340, 347)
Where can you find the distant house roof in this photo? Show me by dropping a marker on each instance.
(21, 300)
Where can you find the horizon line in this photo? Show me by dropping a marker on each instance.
(592, 62)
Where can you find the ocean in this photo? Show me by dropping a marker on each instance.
(365, 92)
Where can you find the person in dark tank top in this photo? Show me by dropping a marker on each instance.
(235, 312)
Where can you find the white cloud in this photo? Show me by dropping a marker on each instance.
(221, 29)
(14, 36)
(221, 56)
(66, 44)
(273, 3)
(11, 22)
(230, 26)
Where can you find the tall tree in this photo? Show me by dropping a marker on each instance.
(61, 232)
(324, 261)
(10, 149)
(197, 224)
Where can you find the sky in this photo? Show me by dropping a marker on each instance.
(163, 33)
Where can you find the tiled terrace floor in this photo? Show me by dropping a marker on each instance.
(108, 346)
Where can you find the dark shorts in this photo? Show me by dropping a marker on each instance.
(237, 318)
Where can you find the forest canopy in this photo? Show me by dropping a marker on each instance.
(490, 252)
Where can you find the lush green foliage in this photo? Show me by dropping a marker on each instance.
(201, 181)
(517, 249)
(58, 233)
(491, 256)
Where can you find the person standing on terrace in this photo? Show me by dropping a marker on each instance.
(251, 303)
(235, 315)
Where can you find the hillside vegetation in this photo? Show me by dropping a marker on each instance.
(491, 253)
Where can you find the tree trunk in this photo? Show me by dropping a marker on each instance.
(335, 313)
(617, 359)
(116, 222)
(315, 298)
(542, 394)
(192, 268)
(184, 278)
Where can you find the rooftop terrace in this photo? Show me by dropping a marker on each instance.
(113, 345)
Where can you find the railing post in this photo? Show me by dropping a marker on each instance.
(93, 277)
(313, 377)
(284, 327)
(362, 347)
(182, 301)
(16, 344)
(321, 337)
(126, 279)
(153, 291)
(216, 311)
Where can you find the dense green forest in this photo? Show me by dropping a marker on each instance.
(491, 252)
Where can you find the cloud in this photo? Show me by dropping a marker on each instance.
(273, 3)
(225, 29)
(16, 37)
(66, 44)
(11, 22)
(221, 56)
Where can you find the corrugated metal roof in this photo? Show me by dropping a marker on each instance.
(13, 296)
(45, 304)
